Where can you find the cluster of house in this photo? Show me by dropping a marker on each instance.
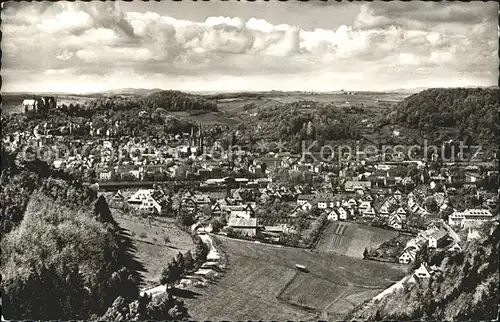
(434, 237)
(336, 208)
(393, 208)
(423, 272)
(444, 235)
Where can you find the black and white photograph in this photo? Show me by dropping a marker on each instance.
(276, 160)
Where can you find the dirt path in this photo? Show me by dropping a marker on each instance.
(324, 313)
(350, 285)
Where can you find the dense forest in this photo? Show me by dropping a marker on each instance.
(63, 255)
(292, 125)
(19, 178)
(470, 113)
(465, 287)
(178, 101)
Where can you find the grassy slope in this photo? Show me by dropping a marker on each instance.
(152, 250)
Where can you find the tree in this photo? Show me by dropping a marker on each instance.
(200, 251)
(291, 239)
(180, 172)
(185, 218)
(230, 232)
(169, 275)
(179, 311)
(188, 261)
(422, 256)
(431, 204)
(217, 224)
(179, 265)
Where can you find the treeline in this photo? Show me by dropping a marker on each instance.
(181, 265)
(466, 286)
(178, 101)
(471, 111)
(293, 126)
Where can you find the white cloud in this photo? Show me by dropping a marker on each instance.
(87, 38)
(67, 21)
(65, 55)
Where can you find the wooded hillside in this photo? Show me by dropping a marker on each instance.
(63, 255)
(470, 111)
(178, 101)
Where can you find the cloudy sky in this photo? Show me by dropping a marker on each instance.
(228, 46)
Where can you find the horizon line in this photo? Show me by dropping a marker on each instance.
(240, 91)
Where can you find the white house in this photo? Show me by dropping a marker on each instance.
(333, 215)
(436, 238)
(410, 252)
(405, 258)
(395, 221)
(364, 206)
(402, 213)
(352, 202)
(29, 104)
(325, 201)
(247, 227)
(105, 175)
(423, 271)
(370, 212)
(118, 196)
(342, 213)
(143, 200)
(310, 204)
(323, 204)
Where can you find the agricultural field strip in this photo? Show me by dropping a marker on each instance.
(336, 237)
(240, 302)
(265, 254)
(310, 273)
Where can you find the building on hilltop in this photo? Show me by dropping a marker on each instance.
(39, 104)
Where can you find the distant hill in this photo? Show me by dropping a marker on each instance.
(178, 101)
(465, 288)
(420, 89)
(468, 111)
(131, 91)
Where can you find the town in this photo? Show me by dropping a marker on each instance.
(249, 161)
(252, 195)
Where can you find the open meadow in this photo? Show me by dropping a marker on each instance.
(157, 240)
(351, 239)
(156, 243)
(261, 282)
